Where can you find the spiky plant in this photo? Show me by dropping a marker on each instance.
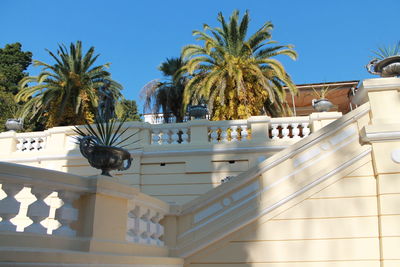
(387, 51)
(106, 132)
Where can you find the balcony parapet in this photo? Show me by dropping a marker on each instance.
(71, 212)
(255, 130)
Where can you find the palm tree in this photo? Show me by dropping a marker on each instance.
(166, 95)
(238, 76)
(66, 93)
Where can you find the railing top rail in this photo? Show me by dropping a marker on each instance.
(300, 119)
(228, 123)
(32, 134)
(32, 176)
(168, 125)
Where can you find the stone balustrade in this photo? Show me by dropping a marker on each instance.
(87, 207)
(34, 141)
(144, 225)
(255, 129)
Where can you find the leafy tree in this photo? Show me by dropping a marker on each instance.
(66, 93)
(13, 63)
(166, 94)
(238, 76)
(127, 109)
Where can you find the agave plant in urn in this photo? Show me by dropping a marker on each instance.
(321, 104)
(386, 62)
(102, 144)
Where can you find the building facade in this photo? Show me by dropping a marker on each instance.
(316, 190)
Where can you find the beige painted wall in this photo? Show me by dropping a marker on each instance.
(337, 226)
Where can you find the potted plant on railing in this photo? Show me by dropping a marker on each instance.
(386, 62)
(198, 111)
(322, 104)
(14, 124)
(102, 145)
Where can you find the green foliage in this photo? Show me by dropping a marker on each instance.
(8, 108)
(387, 51)
(127, 109)
(13, 63)
(166, 95)
(66, 91)
(237, 75)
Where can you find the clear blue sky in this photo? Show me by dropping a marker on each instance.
(334, 39)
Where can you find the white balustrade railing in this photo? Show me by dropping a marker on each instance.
(289, 128)
(143, 224)
(38, 211)
(170, 134)
(160, 119)
(34, 141)
(205, 132)
(233, 131)
(25, 205)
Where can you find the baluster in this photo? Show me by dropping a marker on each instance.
(175, 136)
(9, 206)
(24, 144)
(295, 130)
(244, 133)
(184, 135)
(285, 131)
(224, 134)
(214, 134)
(234, 133)
(35, 143)
(144, 226)
(165, 137)
(134, 225)
(66, 214)
(43, 142)
(157, 230)
(20, 145)
(305, 129)
(38, 210)
(29, 144)
(156, 136)
(275, 131)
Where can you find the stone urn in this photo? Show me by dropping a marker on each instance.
(198, 111)
(321, 105)
(14, 124)
(106, 158)
(387, 67)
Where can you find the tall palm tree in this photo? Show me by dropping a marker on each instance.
(66, 93)
(238, 76)
(166, 94)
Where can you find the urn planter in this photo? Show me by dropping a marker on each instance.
(106, 158)
(321, 105)
(387, 67)
(14, 124)
(198, 111)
